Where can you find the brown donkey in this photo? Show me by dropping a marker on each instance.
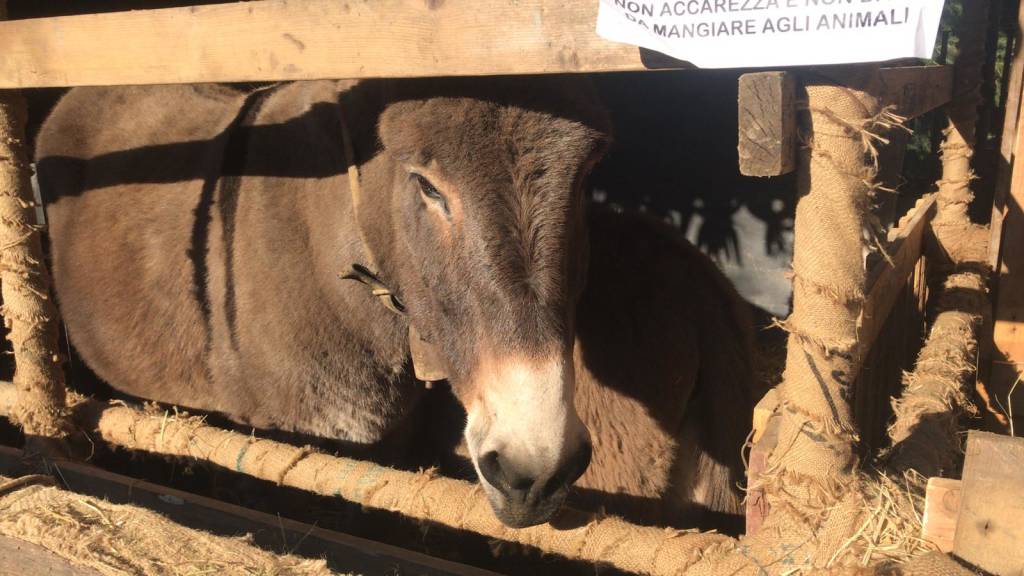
(198, 235)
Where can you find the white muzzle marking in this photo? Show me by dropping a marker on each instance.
(524, 410)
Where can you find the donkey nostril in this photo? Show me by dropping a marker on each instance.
(490, 469)
(500, 474)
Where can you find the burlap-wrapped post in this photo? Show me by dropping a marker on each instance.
(29, 314)
(811, 480)
(955, 196)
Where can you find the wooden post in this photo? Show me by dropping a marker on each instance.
(810, 473)
(1014, 82)
(29, 314)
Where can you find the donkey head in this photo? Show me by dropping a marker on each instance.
(487, 249)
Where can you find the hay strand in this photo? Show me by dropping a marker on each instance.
(117, 540)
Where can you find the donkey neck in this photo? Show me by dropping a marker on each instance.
(326, 209)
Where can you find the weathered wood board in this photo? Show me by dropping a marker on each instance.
(1007, 143)
(767, 123)
(941, 509)
(990, 527)
(886, 280)
(312, 39)
(1007, 365)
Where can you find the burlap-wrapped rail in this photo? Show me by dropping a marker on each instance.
(925, 433)
(423, 495)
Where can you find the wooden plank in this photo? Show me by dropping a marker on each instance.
(313, 39)
(764, 438)
(941, 508)
(886, 280)
(890, 175)
(343, 552)
(20, 558)
(996, 370)
(768, 100)
(280, 40)
(1007, 363)
(914, 90)
(1008, 142)
(892, 353)
(767, 123)
(990, 527)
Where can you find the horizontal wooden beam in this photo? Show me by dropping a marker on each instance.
(886, 280)
(914, 90)
(313, 39)
(768, 100)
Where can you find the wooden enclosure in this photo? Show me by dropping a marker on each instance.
(780, 114)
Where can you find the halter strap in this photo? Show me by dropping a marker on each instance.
(427, 362)
(365, 275)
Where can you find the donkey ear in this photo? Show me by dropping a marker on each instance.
(399, 130)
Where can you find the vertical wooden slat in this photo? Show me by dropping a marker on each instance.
(1008, 141)
(1007, 362)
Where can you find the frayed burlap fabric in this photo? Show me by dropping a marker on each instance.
(930, 564)
(811, 478)
(120, 540)
(925, 433)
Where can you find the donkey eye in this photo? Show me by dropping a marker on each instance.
(431, 192)
(428, 189)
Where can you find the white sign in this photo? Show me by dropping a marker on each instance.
(749, 33)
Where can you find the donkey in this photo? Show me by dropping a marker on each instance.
(198, 234)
